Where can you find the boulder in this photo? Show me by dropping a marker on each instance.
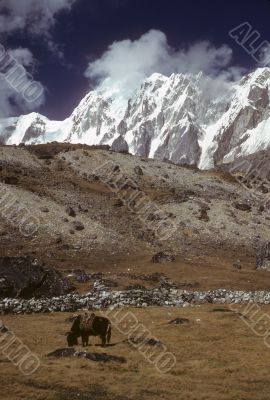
(78, 226)
(144, 341)
(70, 212)
(25, 277)
(98, 357)
(179, 321)
(120, 145)
(11, 180)
(119, 203)
(204, 215)
(162, 257)
(44, 209)
(153, 342)
(138, 171)
(243, 207)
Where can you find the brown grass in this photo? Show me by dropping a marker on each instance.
(218, 357)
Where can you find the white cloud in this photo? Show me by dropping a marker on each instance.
(36, 16)
(264, 55)
(127, 63)
(14, 78)
(23, 56)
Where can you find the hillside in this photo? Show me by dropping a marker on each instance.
(210, 223)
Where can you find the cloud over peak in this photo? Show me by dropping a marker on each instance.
(127, 63)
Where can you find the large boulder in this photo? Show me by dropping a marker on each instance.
(25, 277)
(70, 212)
(162, 257)
(179, 321)
(78, 226)
(243, 207)
(11, 180)
(120, 145)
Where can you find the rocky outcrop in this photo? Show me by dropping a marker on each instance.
(23, 277)
(120, 145)
(6, 133)
(253, 170)
(36, 130)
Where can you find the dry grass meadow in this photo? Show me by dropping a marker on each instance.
(218, 357)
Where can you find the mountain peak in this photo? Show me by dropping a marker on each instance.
(184, 118)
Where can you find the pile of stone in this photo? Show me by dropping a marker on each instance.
(98, 299)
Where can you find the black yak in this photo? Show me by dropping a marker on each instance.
(89, 325)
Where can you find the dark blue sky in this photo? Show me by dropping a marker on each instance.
(92, 25)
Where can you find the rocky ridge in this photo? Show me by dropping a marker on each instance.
(187, 119)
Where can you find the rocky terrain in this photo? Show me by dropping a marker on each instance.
(253, 171)
(114, 228)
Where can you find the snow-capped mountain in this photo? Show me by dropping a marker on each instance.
(188, 119)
